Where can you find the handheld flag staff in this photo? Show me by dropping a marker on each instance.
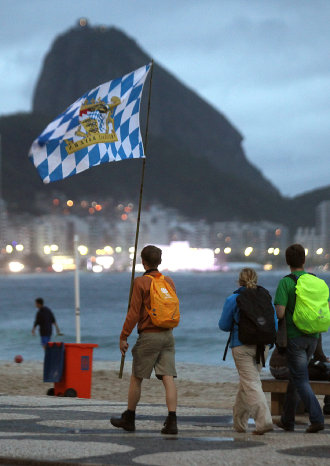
(122, 362)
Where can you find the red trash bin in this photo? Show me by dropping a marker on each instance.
(77, 373)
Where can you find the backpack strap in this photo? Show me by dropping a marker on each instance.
(231, 331)
(260, 355)
(228, 342)
(295, 279)
(292, 276)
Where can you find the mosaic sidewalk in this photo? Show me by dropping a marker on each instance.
(67, 431)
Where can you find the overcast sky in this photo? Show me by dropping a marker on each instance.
(265, 64)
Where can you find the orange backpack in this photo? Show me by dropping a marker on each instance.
(164, 311)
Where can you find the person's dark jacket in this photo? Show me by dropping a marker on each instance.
(45, 319)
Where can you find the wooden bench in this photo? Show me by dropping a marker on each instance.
(277, 388)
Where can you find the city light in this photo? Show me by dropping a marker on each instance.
(270, 251)
(248, 251)
(9, 249)
(319, 251)
(217, 251)
(108, 250)
(180, 256)
(54, 247)
(47, 249)
(131, 249)
(64, 262)
(306, 252)
(276, 251)
(57, 267)
(16, 267)
(227, 250)
(118, 249)
(83, 250)
(105, 261)
(268, 267)
(19, 247)
(97, 268)
(69, 203)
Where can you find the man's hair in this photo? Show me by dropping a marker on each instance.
(295, 256)
(151, 255)
(40, 301)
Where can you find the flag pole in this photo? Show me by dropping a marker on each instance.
(122, 362)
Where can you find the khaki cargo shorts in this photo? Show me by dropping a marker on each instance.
(154, 351)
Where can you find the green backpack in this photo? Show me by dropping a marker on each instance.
(311, 311)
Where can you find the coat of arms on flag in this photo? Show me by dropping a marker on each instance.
(101, 126)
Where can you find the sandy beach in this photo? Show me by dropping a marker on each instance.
(200, 386)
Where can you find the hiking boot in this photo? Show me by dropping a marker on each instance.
(283, 426)
(313, 428)
(126, 421)
(170, 426)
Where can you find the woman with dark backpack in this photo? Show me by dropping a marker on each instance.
(249, 315)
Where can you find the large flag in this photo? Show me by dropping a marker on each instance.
(102, 126)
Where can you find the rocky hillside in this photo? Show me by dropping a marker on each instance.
(195, 158)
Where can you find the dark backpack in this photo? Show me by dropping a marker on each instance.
(256, 324)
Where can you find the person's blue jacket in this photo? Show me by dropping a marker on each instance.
(230, 316)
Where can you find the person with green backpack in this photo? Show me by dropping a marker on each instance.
(302, 300)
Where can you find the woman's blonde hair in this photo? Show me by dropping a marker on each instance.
(248, 277)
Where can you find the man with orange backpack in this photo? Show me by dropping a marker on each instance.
(154, 307)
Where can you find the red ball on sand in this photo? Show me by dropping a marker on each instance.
(18, 358)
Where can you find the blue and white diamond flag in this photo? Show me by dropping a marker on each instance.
(102, 126)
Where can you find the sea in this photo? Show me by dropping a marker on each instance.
(104, 299)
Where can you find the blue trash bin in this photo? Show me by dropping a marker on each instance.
(54, 362)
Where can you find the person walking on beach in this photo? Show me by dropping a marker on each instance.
(250, 399)
(45, 319)
(154, 348)
(300, 348)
